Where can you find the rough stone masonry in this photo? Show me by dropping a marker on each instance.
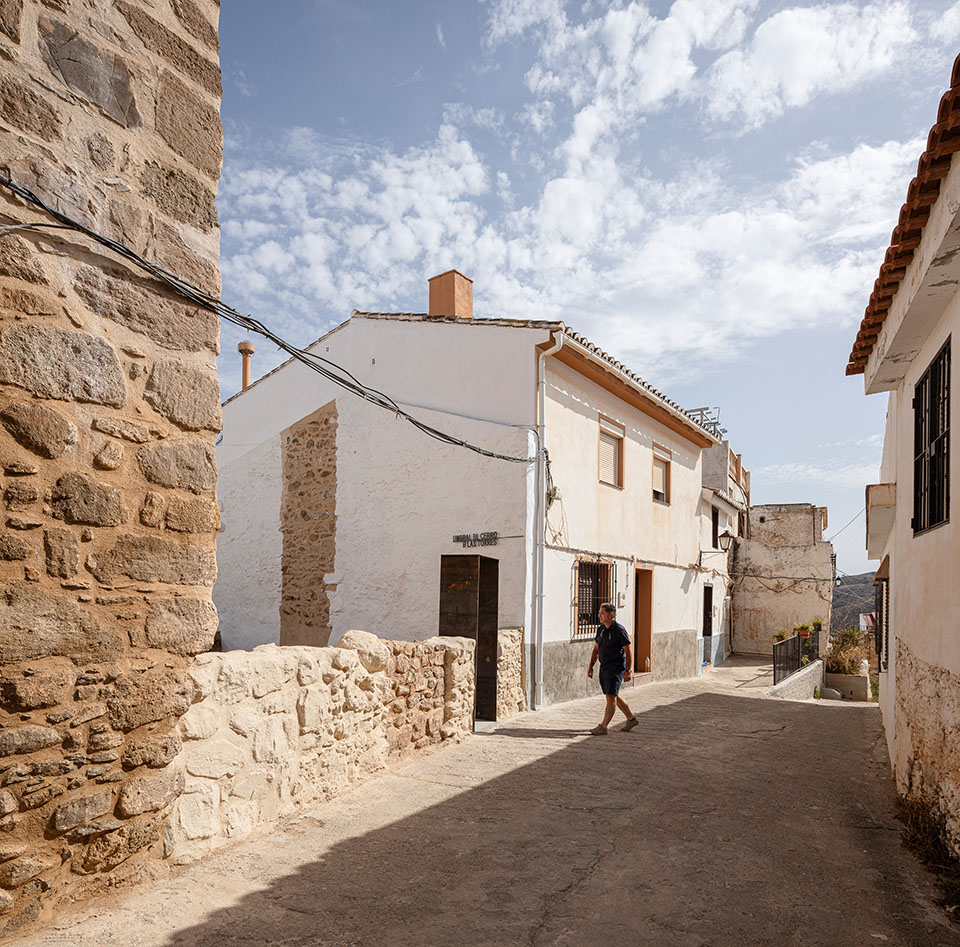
(109, 407)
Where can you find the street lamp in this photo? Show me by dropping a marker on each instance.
(725, 539)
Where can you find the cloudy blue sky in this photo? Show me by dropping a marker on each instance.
(704, 188)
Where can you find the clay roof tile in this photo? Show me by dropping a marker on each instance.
(934, 164)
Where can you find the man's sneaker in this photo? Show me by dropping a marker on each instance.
(630, 724)
(599, 730)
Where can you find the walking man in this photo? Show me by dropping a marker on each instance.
(613, 650)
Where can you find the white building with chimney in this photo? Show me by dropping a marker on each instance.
(338, 514)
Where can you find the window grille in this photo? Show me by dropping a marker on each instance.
(931, 439)
(595, 583)
(883, 623)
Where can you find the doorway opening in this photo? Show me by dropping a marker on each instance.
(707, 624)
(469, 602)
(643, 621)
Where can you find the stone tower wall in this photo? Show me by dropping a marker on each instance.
(109, 406)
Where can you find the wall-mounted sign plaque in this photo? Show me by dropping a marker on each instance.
(468, 540)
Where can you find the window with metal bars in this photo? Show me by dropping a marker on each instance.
(931, 442)
(883, 623)
(595, 583)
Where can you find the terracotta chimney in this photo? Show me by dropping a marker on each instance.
(246, 353)
(451, 294)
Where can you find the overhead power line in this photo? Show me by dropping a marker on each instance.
(328, 369)
(842, 528)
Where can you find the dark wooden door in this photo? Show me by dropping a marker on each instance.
(707, 611)
(469, 608)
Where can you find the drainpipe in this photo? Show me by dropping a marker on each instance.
(541, 519)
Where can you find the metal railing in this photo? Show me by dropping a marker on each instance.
(789, 654)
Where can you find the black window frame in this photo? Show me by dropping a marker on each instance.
(931, 444)
(883, 624)
(714, 527)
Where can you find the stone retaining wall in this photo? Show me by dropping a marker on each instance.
(282, 728)
(801, 684)
(109, 407)
(511, 698)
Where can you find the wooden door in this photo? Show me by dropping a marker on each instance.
(643, 621)
(469, 608)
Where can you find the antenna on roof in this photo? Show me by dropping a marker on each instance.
(708, 418)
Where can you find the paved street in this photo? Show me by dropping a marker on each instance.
(722, 820)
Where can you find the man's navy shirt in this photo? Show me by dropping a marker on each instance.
(612, 641)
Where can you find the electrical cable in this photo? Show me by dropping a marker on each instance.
(839, 531)
(198, 297)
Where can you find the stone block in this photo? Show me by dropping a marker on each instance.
(195, 23)
(144, 307)
(40, 429)
(62, 553)
(189, 465)
(184, 394)
(200, 722)
(56, 363)
(180, 196)
(214, 759)
(153, 752)
(31, 693)
(27, 739)
(181, 625)
(245, 721)
(253, 786)
(196, 812)
(15, 873)
(10, 11)
(37, 624)
(188, 125)
(204, 671)
(149, 793)
(77, 498)
(313, 709)
(374, 655)
(109, 457)
(101, 151)
(269, 742)
(152, 559)
(83, 809)
(125, 430)
(13, 548)
(98, 76)
(192, 515)
(144, 698)
(108, 850)
(24, 109)
(17, 259)
(20, 496)
(154, 506)
(181, 55)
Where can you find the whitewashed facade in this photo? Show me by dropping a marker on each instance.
(904, 349)
(400, 497)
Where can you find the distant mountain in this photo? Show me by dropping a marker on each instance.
(856, 594)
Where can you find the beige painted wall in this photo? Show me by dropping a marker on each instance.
(783, 577)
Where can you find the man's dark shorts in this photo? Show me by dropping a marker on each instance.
(611, 677)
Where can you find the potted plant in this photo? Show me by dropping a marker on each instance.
(802, 630)
(779, 636)
(817, 624)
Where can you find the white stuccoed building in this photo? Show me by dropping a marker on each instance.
(337, 514)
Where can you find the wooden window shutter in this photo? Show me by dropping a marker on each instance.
(659, 478)
(609, 458)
